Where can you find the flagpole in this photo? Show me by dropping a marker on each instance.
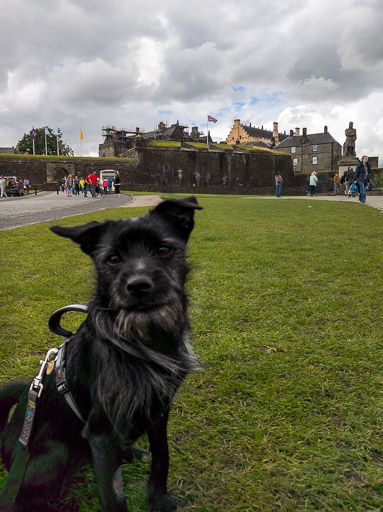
(207, 133)
(46, 145)
(33, 144)
(58, 151)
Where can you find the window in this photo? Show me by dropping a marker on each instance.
(295, 161)
(315, 147)
(293, 149)
(315, 160)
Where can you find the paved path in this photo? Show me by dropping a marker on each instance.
(373, 201)
(33, 209)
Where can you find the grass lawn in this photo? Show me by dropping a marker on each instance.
(286, 306)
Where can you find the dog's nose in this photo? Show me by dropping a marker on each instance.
(139, 285)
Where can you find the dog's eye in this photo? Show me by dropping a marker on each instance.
(113, 259)
(164, 250)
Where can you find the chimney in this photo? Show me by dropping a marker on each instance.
(236, 122)
(304, 139)
(325, 129)
(275, 133)
(291, 133)
(161, 126)
(297, 131)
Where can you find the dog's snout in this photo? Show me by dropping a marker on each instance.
(139, 285)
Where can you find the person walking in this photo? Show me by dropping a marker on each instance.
(362, 177)
(105, 185)
(87, 185)
(3, 187)
(76, 186)
(117, 184)
(278, 184)
(82, 185)
(93, 183)
(349, 179)
(26, 185)
(313, 183)
(68, 185)
(336, 184)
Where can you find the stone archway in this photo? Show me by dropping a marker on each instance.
(56, 171)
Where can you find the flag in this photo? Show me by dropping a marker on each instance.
(33, 133)
(81, 135)
(211, 119)
(59, 132)
(47, 132)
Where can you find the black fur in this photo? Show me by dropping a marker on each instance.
(140, 300)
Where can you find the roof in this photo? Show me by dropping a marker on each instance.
(261, 133)
(312, 138)
(259, 144)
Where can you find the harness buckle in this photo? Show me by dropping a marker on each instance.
(37, 385)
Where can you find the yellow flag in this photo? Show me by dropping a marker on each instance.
(81, 135)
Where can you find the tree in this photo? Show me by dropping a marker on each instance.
(25, 144)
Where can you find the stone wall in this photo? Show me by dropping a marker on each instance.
(168, 170)
(211, 171)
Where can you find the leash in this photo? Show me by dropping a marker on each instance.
(54, 358)
(16, 475)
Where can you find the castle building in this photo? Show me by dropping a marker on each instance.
(311, 151)
(243, 134)
(118, 142)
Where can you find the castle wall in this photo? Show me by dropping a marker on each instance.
(161, 170)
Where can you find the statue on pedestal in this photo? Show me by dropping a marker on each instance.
(349, 145)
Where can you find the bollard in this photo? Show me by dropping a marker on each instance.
(35, 190)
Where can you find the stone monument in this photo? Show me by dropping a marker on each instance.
(349, 156)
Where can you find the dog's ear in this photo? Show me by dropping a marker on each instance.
(180, 212)
(87, 235)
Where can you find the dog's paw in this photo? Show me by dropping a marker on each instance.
(164, 503)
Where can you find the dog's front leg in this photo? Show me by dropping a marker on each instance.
(107, 471)
(159, 499)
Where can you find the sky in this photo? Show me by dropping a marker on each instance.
(82, 65)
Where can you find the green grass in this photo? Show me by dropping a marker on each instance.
(60, 157)
(164, 143)
(286, 307)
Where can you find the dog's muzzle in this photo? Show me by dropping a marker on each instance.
(139, 286)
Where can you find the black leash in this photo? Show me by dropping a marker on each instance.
(16, 475)
(55, 357)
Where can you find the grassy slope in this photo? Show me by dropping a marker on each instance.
(286, 309)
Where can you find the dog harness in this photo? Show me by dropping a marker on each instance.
(60, 360)
(54, 358)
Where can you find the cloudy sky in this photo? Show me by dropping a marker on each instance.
(83, 64)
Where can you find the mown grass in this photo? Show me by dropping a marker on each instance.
(164, 143)
(286, 308)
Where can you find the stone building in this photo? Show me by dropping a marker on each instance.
(311, 151)
(243, 134)
(118, 142)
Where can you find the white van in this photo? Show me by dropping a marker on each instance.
(106, 174)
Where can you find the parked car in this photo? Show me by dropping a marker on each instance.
(14, 187)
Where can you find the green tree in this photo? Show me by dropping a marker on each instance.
(25, 144)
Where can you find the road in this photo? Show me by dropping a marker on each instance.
(33, 209)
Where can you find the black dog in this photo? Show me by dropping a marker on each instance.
(141, 305)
